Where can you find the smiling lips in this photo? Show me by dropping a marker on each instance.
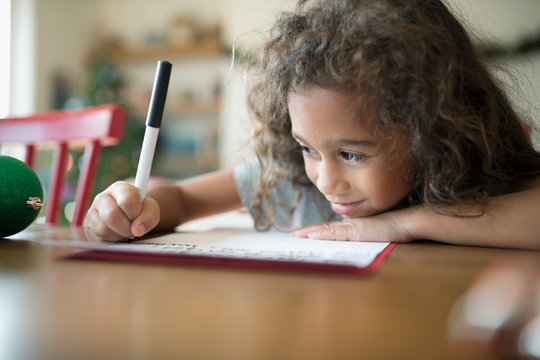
(344, 208)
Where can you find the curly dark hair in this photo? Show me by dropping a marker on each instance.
(412, 64)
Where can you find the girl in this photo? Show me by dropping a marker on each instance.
(375, 120)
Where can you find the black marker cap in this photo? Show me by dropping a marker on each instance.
(159, 94)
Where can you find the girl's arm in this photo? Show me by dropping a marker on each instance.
(118, 213)
(511, 220)
(197, 197)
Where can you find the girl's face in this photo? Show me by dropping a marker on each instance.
(356, 172)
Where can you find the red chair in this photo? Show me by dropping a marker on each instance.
(91, 128)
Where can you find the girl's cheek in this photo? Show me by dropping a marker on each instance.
(310, 171)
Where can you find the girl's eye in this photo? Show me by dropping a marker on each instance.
(351, 157)
(305, 149)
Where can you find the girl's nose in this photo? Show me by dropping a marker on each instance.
(330, 180)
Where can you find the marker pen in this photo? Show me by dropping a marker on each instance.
(153, 123)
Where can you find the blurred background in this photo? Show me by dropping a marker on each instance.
(75, 53)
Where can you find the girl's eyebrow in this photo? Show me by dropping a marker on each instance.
(341, 142)
(366, 143)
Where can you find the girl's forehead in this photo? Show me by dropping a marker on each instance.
(315, 106)
(333, 117)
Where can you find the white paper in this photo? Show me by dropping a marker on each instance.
(249, 244)
(232, 236)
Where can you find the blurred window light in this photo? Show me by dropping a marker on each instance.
(5, 50)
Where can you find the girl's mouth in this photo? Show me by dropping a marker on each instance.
(345, 208)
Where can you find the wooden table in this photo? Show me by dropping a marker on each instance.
(59, 308)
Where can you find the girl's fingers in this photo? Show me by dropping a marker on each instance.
(96, 230)
(110, 216)
(147, 219)
(376, 228)
(127, 198)
(328, 231)
(112, 212)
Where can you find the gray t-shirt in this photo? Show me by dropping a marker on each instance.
(312, 208)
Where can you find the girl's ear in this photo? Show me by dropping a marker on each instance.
(526, 130)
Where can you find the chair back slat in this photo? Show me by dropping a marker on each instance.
(86, 182)
(57, 180)
(29, 155)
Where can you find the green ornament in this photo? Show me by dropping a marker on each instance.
(20, 196)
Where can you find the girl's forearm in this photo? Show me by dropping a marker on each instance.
(511, 220)
(171, 208)
(194, 198)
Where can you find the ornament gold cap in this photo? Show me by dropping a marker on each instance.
(34, 203)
